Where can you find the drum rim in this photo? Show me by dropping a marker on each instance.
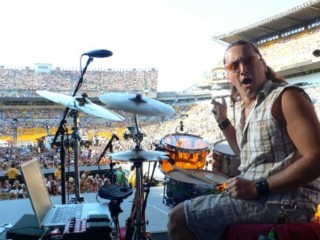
(186, 149)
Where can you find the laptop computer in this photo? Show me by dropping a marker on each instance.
(46, 213)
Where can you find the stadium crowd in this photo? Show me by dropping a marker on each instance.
(24, 82)
(279, 53)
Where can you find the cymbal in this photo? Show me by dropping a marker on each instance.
(80, 103)
(138, 155)
(136, 104)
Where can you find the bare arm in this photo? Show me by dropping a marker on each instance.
(297, 113)
(230, 135)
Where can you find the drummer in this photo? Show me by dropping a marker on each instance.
(277, 138)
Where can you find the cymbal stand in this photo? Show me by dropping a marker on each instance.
(76, 144)
(136, 134)
(136, 224)
(62, 159)
(63, 121)
(147, 190)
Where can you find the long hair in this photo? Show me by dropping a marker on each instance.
(270, 73)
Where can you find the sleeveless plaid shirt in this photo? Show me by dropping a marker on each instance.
(266, 147)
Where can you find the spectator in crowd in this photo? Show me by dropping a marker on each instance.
(15, 185)
(121, 177)
(57, 173)
(14, 190)
(5, 190)
(12, 173)
(90, 184)
(54, 190)
(48, 182)
(132, 177)
(22, 192)
(277, 138)
(70, 185)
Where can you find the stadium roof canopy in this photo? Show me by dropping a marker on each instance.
(293, 18)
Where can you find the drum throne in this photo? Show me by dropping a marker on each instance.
(285, 231)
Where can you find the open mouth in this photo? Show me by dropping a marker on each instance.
(247, 81)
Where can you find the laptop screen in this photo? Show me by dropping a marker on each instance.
(37, 190)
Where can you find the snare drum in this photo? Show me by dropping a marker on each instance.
(225, 161)
(179, 186)
(187, 151)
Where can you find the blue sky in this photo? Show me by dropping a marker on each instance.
(171, 35)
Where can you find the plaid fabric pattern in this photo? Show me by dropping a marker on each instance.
(266, 147)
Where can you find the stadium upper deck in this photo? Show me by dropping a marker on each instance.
(288, 21)
(286, 41)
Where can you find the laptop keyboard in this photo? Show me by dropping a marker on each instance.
(66, 212)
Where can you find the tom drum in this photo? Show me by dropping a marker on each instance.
(188, 151)
(224, 159)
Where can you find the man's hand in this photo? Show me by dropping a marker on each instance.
(219, 109)
(242, 188)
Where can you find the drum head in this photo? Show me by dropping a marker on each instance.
(184, 142)
(223, 147)
(186, 178)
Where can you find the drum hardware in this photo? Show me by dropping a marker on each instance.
(138, 154)
(136, 223)
(77, 104)
(131, 222)
(134, 134)
(116, 194)
(180, 127)
(72, 103)
(108, 146)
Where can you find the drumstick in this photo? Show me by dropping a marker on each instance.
(192, 174)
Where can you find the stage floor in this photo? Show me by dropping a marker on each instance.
(156, 212)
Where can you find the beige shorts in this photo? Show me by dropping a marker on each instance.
(208, 216)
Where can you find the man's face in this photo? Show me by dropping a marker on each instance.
(245, 70)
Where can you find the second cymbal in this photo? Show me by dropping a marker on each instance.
(136, 104)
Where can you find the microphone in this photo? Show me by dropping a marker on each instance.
(316, 53)
(181, 126)
(100, 53)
